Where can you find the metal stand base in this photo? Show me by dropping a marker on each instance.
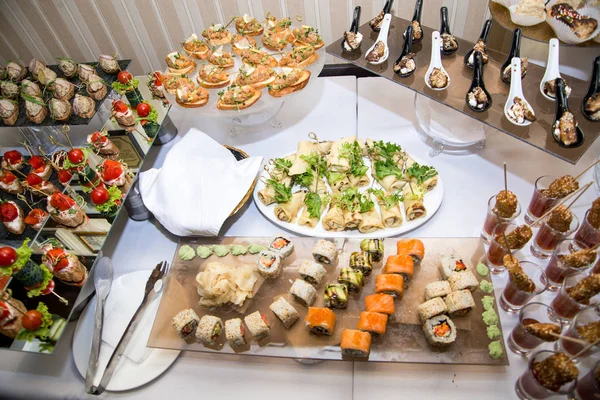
(134, 205)
(166, 133)
(307, 361)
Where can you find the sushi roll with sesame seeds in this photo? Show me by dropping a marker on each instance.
(303, 292)
(325, 252)
(258, 325)
(209, 329)
(234, 332)
(459, 303)
(463, 280)
(185, 323)
(282, 246)
(312, 272)
(285, 312)
(440, 331)
(437, 289)
(269, 264)
(431, 308)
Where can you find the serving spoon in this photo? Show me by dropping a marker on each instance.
(436, 60)
(516, 90)
(353, 28)
(386, 10)
(417, 18)
(485, 32)
(382, 37)
(594, 88)
(445, 29)
(478, 82)
(562, 106)
(515, 51)
(406, 48)
(552, 67)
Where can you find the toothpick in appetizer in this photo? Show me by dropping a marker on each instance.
(39, 187)
(127, 85)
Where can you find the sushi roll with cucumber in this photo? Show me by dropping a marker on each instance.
(209, 329)
(373, 247)
(285, 312)
(431, 308)
(336, 295)
(185, 323)
(312, 272)
(440, 331)
(269, 264)
(355, 343)
(258, 325)
(304, 293)
(372, 322)
(352, 278)
(282, 246)
(459, 303)
(362, 261)
(325, 252)
(234, 332)
(320, 321)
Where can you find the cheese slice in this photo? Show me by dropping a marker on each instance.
(193, 37)
(244, 43)
(218, 52)
(247, 69)
(247, 18)
(287, 70)
(217, 27)
(173, 56)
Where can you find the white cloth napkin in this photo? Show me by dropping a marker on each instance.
(199, 185)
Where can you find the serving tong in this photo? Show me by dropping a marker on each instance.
(445, 29)
(406, 49)
(515, 51)
(485, 32)
(354, 28)
(382, 37)
(516, 90)
(478, 82)
(552, 67)
(562, 106)
(594, 88)
(387, 8)
(436, 60)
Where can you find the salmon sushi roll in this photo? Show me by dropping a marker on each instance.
(413, 247)
(372, 322)
(380, 303)
(320, 321)
(355, 343)
(392, 284)
(402, 264)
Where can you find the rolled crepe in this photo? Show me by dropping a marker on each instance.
(341, 185)
(267, 195)
(336, 163)
(277, 174)
(414, 209)
(304, 149)
(321, 188)
(306, 220)
(352, 219)
(287, 212)
(359, 181)
(334, 219)
(392, 184)
(391, 217)
(430, 183)
(370, 222)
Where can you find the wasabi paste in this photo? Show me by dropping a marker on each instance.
(220, 250)
(486, 286)
(482, 269)
(255, 248)
(493, 331)
(204, 252)
(490, 317)
(238, 249)
(488, 302)
(186, 253)
(495, 349)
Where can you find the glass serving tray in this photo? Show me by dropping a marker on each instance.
(404, 340)
(538, 134)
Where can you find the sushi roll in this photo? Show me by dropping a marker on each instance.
(451, 264)
(391, 284)
(283, 246)
(185, 323)
(411, 247)
(380, 303)
(352, 278)
(373, 247)
(234, 332)
(431, 308)
(402, 264)
(258, 325)
(459, 303)
(325, 252)
(362, 261)
(303, 292)
(437, 289)
(463, 280)
(312, 272)
(440, 331)
(336, 295)
(269, 264)
(320, 321)
(285, 312)
(372, 322)
(355, 343)
(209, 329)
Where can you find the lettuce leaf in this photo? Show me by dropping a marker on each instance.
(113, 202)
(67, 164)
(23, 255)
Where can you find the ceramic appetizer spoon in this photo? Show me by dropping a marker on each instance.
(353, 38)
(590, 106)
(377, 55)
(515, 51)
(405, 64)
(565, 129)
(449, 42)
(436, 76)
(552, 72)
(480, 45)
(517, 110)
(377, 22)
(478, 98)
(416, 22)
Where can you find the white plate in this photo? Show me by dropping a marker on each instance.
(129, 374)
(432, 202)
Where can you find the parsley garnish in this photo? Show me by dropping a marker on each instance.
(421, 172)
(283, 192)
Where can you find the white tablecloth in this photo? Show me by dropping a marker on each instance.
(385, 112)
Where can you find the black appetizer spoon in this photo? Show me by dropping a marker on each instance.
(406, 49)
(386, 10)
(483, 37)
(561, 108)
(593, 90)
(417, 18)
(515, 51)
(354, 29)
(445, 30)
(478, 82)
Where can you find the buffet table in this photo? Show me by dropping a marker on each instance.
(332, 108)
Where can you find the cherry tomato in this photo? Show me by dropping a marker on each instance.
(119, 106)
(8, 177)
(64, 175)
(35, 216)
(100, 195)
(111, 170)
(32, 320)
(37, 162)
(157, 78)
(13, 157)
(8, 256)
(98, 138)
(124, 77)
(143, 109)
(76, 156)
(50, 288)
(8, 212)
(62, 263)
(33, 179)
(4, 311)
(61, 201)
